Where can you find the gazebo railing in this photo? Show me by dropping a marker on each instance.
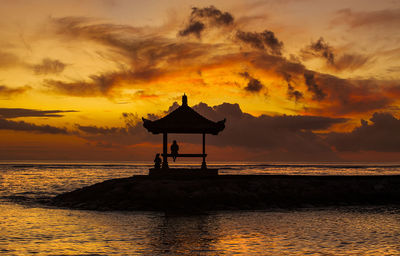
(186, 155)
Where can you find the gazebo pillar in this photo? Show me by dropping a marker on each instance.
(165, 151)
(203, 164)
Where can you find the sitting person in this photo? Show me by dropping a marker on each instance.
(157, 161)
(174, 150)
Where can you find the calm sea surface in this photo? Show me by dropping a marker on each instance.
(27, 227)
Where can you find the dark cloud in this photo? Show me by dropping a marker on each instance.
(292, 93)
(381, 134)
(340, 96)
(132, 133)
(30, 127)
(24, 112)
(101, 130)
(200, 18)
(288, 137)
(263, 41)
(245, 75)
(6, 91)
(193, 28)
(49, 66)
(289, 134)
(346, 96)
(313, 87)
(320, 48)
(212, 13)
(386, 17)
(253, 85)
(234, 113)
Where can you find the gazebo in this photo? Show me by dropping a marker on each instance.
(183, 120)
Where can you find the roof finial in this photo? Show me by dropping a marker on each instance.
(184, 100)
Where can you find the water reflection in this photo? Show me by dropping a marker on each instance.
(178, 234)
(28, 229)
(343, 231)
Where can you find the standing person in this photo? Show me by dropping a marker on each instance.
(174, 150)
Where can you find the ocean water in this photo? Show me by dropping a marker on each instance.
(29, 227)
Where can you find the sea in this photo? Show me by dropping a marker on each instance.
(30, 227)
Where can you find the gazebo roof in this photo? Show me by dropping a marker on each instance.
(184, 120)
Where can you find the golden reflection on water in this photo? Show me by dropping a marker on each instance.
(29, 230)
(34, 229)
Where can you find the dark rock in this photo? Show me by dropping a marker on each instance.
(231, 192)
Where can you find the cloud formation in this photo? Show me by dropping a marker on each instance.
(97, 86)
(253, 85)
(201, 18)
(24, 112)
(30, 127)
(294, 94)
(381, 134)
(385, 17)
(216, 16)
(321, 49)
(313, 87)
(90, 129)
(291, 92)
(9, 113)
(351, 62)
(346, 96)
(149, 58)
(333, 96)
(144, 56)
(209, 17)
(288, 137)
(273, 134)
(132, 133)
(6, 91)
(262, 41)
(49, 66)
(193, 28)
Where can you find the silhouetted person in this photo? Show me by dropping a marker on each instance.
(157, 161)
(174, 150)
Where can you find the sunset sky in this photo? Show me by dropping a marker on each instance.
(304, 80)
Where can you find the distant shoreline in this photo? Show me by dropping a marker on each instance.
(233, 192)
